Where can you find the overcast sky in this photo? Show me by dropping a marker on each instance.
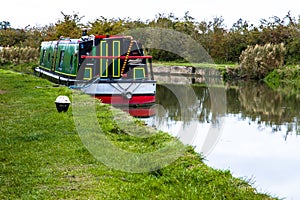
(21, 13)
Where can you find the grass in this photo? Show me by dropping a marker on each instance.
(289, 75)
(43, 157)
(285, 79)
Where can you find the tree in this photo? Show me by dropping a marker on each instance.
(33, 37)
(4, 25)
(236, 40)
(12, 37)
(218, 50)
(69, 26)
(104, 26)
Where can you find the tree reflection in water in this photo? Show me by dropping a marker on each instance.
(251, 101)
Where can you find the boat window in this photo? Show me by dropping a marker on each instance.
(85, 48)
(71, 62)
(103, 61)
(43, 57)
(116, 62)
(87, 73)
(135, 50)
(139, 73)
(48, 57)
(61, 59)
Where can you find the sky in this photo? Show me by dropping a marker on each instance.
(21, 13)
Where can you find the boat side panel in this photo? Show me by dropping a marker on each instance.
(67, 59)
(46, 54)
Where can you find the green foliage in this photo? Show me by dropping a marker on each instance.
(34, 37)
(237, 40)
(285, 77)
(223, 44)
(274, 79)
(104, 26)
(28, 37)
(293, 50)
(257, 61)
(69, 26)
(12, 37)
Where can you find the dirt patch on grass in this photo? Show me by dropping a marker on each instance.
(2, 92)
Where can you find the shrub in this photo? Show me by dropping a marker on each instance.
(287, 75)
(257, 61)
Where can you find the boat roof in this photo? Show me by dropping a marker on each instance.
(66, 40)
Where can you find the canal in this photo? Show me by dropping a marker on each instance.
(246, 128)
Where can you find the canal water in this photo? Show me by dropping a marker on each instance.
(246, 128)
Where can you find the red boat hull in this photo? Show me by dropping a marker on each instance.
(121, 100)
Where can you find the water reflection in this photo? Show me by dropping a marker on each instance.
(265, 107)
(250, 101)
(140, 112)
(259, 139)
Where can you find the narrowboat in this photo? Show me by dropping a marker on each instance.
(111, 68)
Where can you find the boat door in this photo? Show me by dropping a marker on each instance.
(86, 69)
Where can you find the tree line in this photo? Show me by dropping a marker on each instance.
(223, 44)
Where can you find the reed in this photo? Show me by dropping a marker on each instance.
(258, 61)
(18, 55)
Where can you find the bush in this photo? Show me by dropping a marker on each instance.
(258, 61)
(288, 75)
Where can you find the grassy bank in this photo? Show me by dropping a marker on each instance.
(285, 79)
(42, 156)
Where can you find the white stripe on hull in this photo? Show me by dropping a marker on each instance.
(119, 88)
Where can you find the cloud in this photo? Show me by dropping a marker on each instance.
(21, 13)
